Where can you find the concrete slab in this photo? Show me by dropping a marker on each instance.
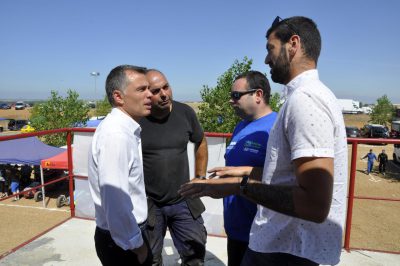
(72, 244)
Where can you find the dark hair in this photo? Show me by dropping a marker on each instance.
(304, 27)
(116, 80)
(257, 80)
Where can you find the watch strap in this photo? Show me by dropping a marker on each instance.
(243, 184)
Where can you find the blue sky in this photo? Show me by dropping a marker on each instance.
(54, 45)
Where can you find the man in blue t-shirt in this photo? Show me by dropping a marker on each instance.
(250, 99)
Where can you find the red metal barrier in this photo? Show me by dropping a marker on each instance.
(351, 197)
(70, 174)
(33, 188)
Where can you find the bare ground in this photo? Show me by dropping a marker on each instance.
(25, 219)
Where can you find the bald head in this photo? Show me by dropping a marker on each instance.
(161, 93)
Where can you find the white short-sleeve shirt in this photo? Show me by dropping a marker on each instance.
(309, 124)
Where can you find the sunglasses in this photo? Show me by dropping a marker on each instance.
(278, 20)
(236, 95)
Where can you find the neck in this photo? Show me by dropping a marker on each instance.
(136, 118)
(265, 110)
(298, 67)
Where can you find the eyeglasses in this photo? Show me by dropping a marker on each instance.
(278, 20)
(236, 95)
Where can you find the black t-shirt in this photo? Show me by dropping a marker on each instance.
(164, 147)
(383, 158)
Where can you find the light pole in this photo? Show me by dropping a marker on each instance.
(95, 75)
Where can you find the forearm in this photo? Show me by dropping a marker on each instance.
(290, 200)
(256, 173)
(201, 155)
(277, 198)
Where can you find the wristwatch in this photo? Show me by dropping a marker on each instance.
(243, 185)
(201, 177)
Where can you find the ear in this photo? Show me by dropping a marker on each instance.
(118, 97)
(294, 44)
(260, 95)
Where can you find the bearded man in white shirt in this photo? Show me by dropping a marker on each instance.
(116, 171)
(302, 196)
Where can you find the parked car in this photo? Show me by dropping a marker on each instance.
(17, 124)
(19, 105)
(27, 129)
(374, 131)
(352, 132)
(5, 106)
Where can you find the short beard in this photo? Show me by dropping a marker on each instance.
(281, 68)
(157, 110)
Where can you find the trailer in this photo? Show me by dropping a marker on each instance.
(349, 106)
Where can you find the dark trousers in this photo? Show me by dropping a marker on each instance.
(188, 234)
(252, 258)
(111, 254)
(382, 167)
(236, 251)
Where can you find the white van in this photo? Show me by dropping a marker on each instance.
(19, 105)
(396, 153)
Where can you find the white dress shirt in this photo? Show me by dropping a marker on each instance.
(116, 179)
(309, 124)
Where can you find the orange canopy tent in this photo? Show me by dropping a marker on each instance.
(60, 161)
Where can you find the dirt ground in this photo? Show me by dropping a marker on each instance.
(375, 224)
(24, 219)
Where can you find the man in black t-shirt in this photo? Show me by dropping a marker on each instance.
(165, 135)
(382, 159)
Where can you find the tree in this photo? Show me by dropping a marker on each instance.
(215, 112)
(103, 107)
(59, 112)
(382, 113)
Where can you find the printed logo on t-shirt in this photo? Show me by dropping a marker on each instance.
(251, 146)
(231, 145)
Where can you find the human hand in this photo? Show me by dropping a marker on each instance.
(215, 188)
(230, 171)
(141, 253)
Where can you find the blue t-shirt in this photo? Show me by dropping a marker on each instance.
(247, 148)
(371, 157)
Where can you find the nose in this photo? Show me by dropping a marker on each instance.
(163, 95)
(267, 59)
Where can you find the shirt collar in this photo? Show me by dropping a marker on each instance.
(130, 122)
(298, 81)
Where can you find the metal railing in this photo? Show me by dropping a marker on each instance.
(353, 141)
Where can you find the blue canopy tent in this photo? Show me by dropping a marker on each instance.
(27, 151)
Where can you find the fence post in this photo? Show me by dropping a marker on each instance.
(70, 174)
(351, 194)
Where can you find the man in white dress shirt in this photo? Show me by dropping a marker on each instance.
(302, 196)
(116, 171)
